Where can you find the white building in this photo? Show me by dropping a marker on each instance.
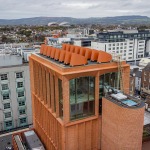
(57, 41)
(131, 50)
(136, 71)
(143, 62)
(15, 97)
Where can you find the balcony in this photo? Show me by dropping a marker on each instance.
(4, 81)
(19, 79)
(21, 98)
(5, 91)
(20, 89)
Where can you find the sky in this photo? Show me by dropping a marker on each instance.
(15, 9)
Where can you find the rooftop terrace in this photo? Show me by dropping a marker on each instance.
(125, 100)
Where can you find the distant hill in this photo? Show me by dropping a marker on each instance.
(94, 20)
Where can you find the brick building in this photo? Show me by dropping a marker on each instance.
(68, 113)
(145, 83)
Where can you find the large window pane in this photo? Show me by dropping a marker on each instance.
(82, 97)
(91, 88)
(82, 89)
(72, 91)
(106, 82)
(60, 99)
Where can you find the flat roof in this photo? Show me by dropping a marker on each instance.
(66, 69)
(127, 101)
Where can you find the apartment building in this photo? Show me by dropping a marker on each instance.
(131, 44)
(77, 92)
(56, 41)
(130, 49)
(15, 97)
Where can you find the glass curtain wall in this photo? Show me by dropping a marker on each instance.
(82, 97)
(107, 81)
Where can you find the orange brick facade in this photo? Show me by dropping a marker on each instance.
(64, 134)
(122, 127)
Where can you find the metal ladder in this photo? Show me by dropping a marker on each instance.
(120, 73)
(117, 58)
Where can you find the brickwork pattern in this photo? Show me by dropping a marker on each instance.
(122, 128)
(64, 134)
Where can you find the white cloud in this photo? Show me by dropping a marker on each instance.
(72, 8)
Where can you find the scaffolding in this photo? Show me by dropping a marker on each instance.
(117, 58)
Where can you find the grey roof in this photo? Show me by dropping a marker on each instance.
(135, 72)
(138, 74)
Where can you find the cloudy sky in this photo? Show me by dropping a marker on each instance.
(12, 9)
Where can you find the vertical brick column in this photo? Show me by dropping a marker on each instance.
(66, 101)
(126, 79)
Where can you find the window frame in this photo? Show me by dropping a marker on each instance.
(18, 76)
(7, 107)
(5, 76)
(86, 110)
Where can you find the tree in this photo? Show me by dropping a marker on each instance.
(4, 38)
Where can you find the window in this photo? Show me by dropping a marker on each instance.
(8, 124)
(19, 75)
(7, 114)
(107, 82)
(5, 96)
(22, 112)
(129, 57)
(21, 94)
(4, 77)
(82, 97)
(60, 98)
(19, 84)
(4, 86)
(6, 105)
(21, 103)
(23, 120)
